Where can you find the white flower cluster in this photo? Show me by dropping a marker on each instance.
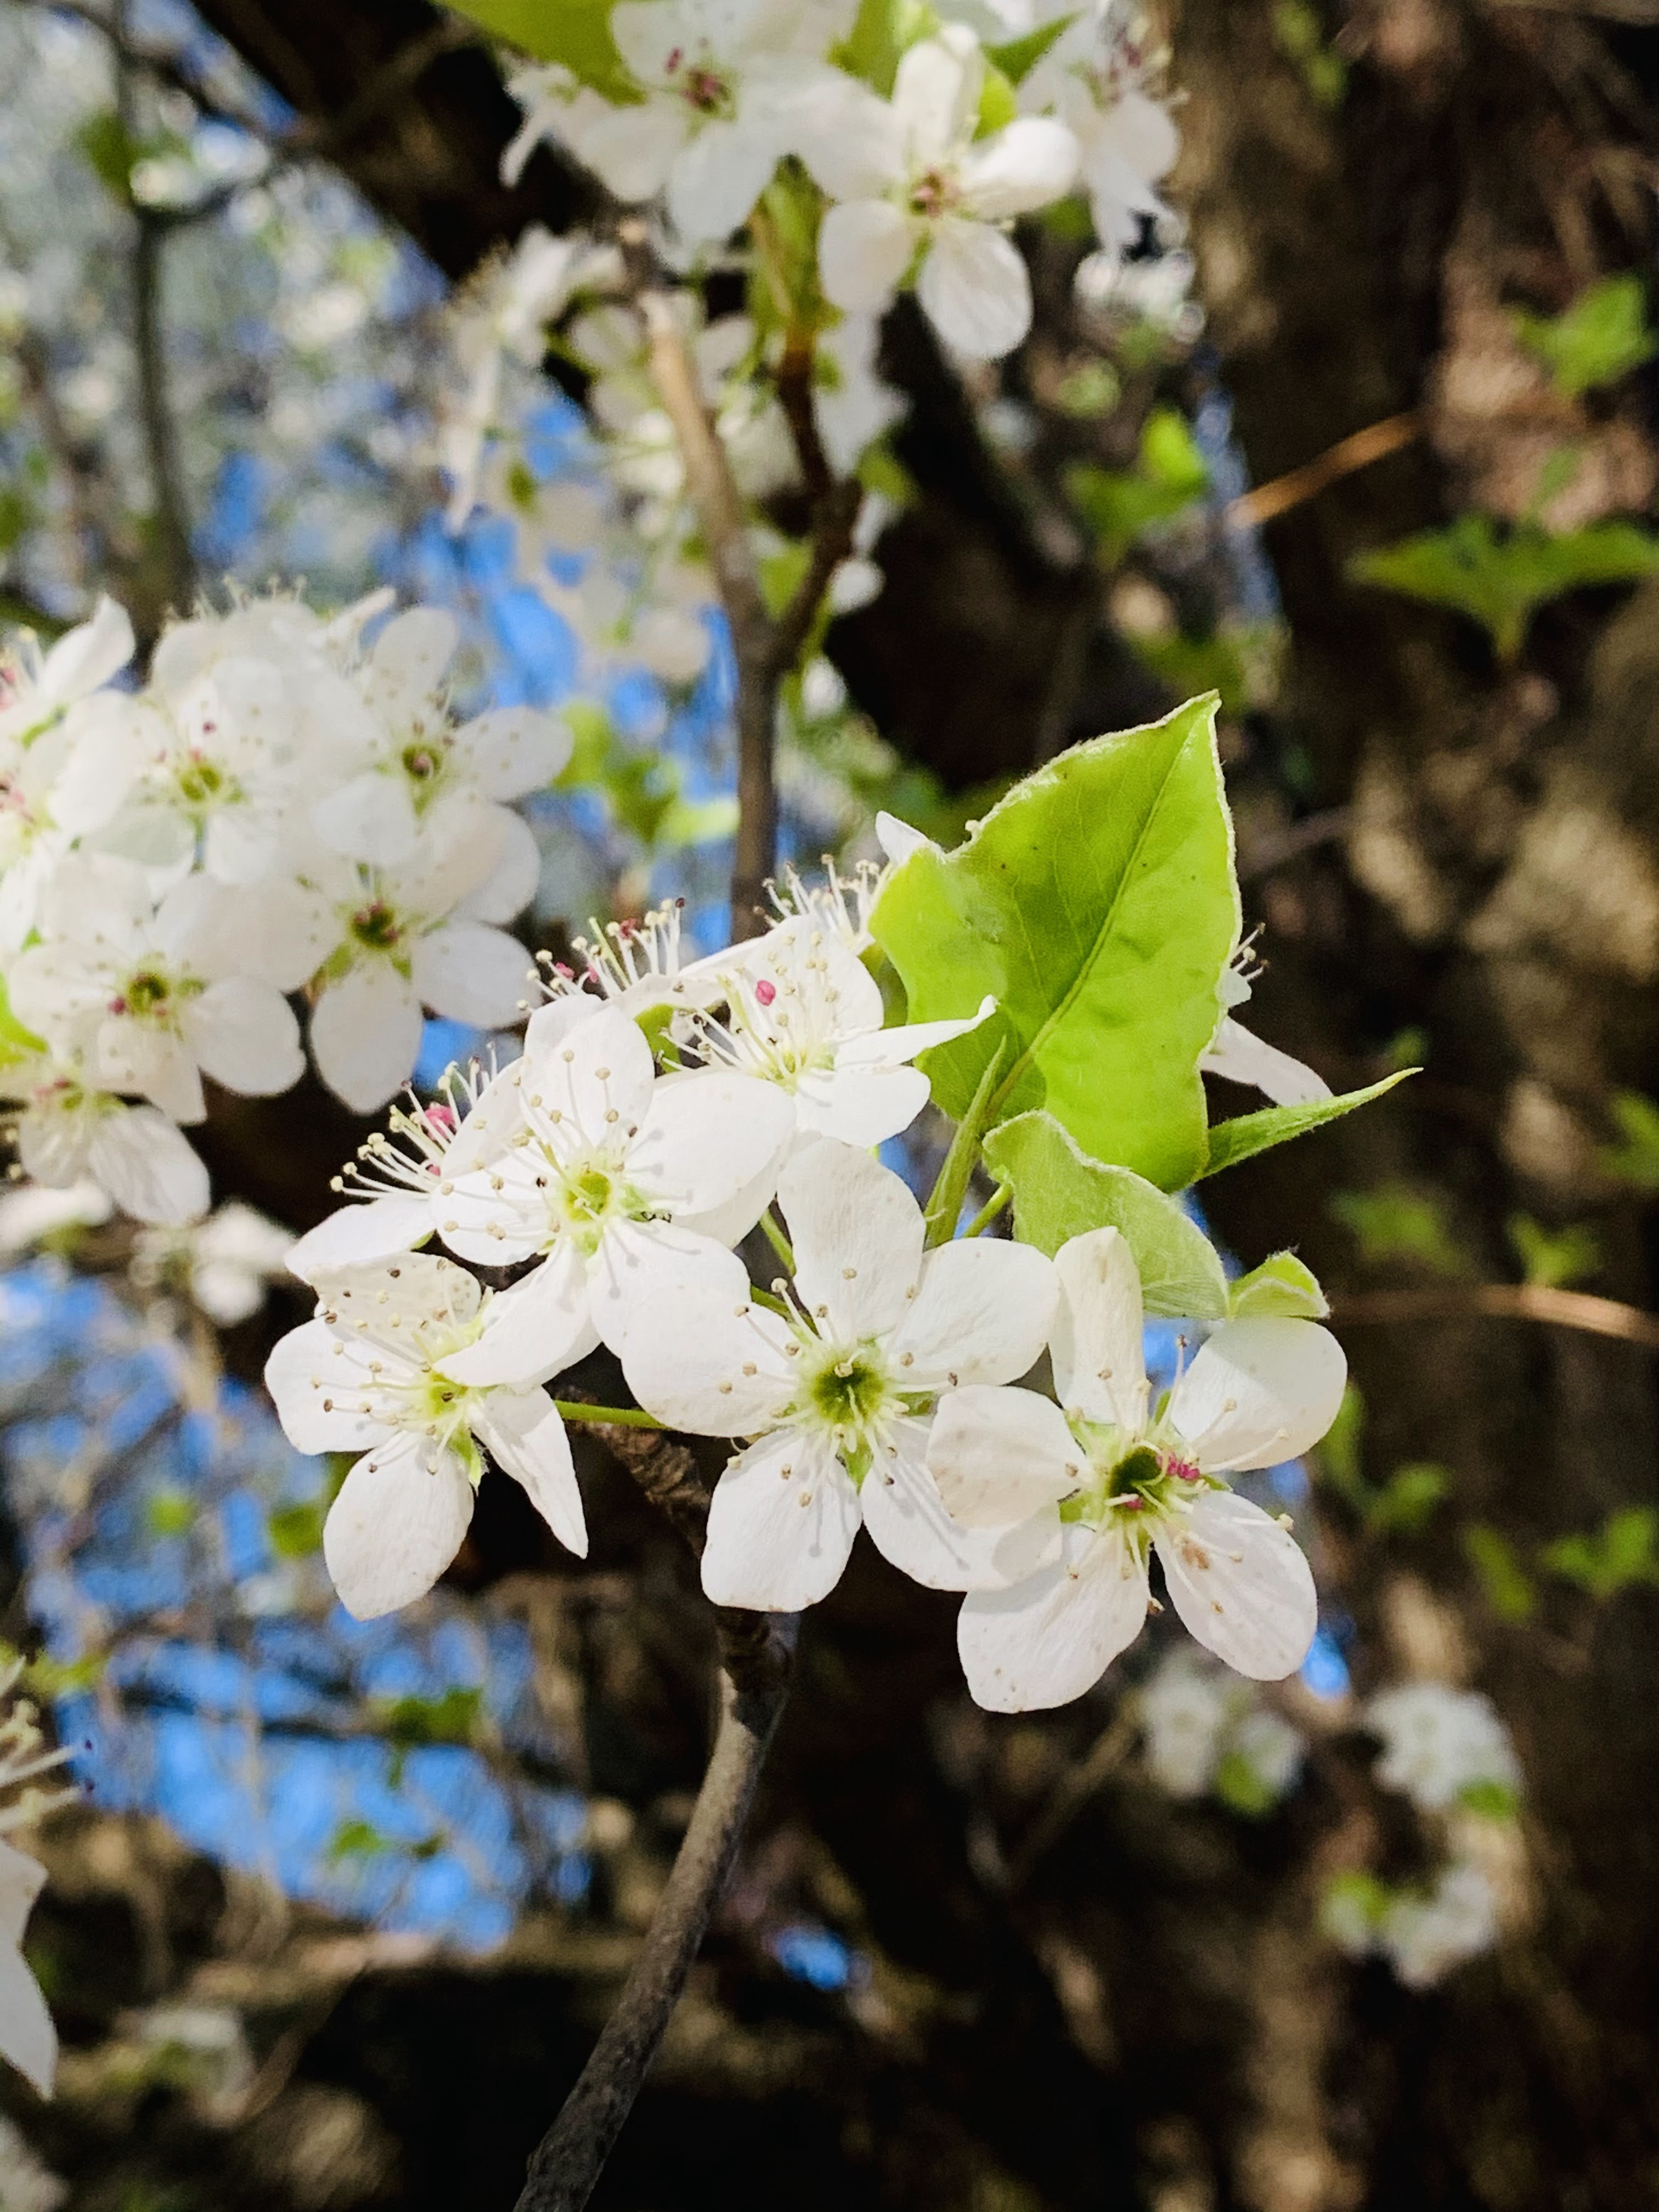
(1205, 1731)
(27, 2038)
(1449, 1754)
(921, 184)
(867, 1384)
(281, 809)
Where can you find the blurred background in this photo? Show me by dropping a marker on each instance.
(1363, 434)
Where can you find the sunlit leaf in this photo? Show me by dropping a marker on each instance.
(575, 31)
(1247, 1134)
(1097, 905)
(1599, 337)
(1059, 1193)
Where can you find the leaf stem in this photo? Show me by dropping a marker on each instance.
(571, 2156)
(777, 1240)
(608, 1416)
(988, 1213)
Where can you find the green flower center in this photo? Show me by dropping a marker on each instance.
(201, 781)
(376, 927)
(849, 1392)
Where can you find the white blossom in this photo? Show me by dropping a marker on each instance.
(612, 1178)
(64, 1130)
(1109, 1480)
(837, 1392)
(1439, 1743)
(916, 189)
(1242, 1057)
(729, 87)
(1425, 1935)
(372, 1374)
(1094, 81)
(225, 1263)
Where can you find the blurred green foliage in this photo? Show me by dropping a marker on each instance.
(1599, 337)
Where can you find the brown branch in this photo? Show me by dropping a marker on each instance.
(1371, 444)
(835, 520)
(1502, 1301)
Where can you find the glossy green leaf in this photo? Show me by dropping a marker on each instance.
(1059, 1193)
(1247, 1134)
(1097, 903)
(1281, 1287)
(575, 31)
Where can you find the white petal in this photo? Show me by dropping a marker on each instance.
(354, 1235)
(496, 1216)
(1140, 131)
(1096, 1343)
(536, 1329)
(630, 149)
(899, 839)
(599, 1066)
(1259, 1392)
(89, 654)
(637, 1258)
(857, 1234)
(147, 1166)
(244, 1035)
(408, 658)
(370, 819)
(686, 1352)
(22, 1880)
(1243, 1058)
(366, 1035)
(129, 1055)
(851, 142)
(513, 750)
(524, 1436)
(780, 1526)
(910, 1528)
(394, 1304)
(982, 1313)
(1048, 1639)
(704, 1138)
(893, 1048)
(864, 250)
(398, 1522)
(975, 288)
(935, 94)
(316, 1386)
(27, 2037)
(469, 972)
(999, 1456)
(490, 1125)
(1240, 1584)
(112, 737)
(861, 1106)
(1032, 161)
(717, 178)
(510, 886)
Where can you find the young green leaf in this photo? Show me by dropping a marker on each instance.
(1624, 1551)
(1060, 1193)
(1097, 903)
(1394, 1222)
(1120, 505)
(1017, 57)
(1281, 1286)
(575, 31)
(1636, 1161)
(1247, 1134)
(1501, 581)
(1556, 1258)
(1504, 1583)
(1599, 338)
(1407, 1501)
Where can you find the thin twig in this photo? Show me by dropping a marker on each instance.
(571, 2156)
(1503, 1302)
(1371, 444)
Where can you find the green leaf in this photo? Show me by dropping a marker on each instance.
(1556, 1258)
(1636, 1162)
(575, 31)
(1281, 1286)
(1241, 1788)
(296, 1531)
(1097, 904)
(1247, 1134)
(450, 1718)
(1406, 1501)
(1504, 1583)
(1017, 57)
(1494, 1801)
(14, 1040)
(1624, 1552)
(1059, 1193)
(1394, 1222)
(1120, 505)
(1501, 581)
(943, 1207)
(881, 32)
(356, 1839)
(1599, 338)
(998, 103)
(170, 1513)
